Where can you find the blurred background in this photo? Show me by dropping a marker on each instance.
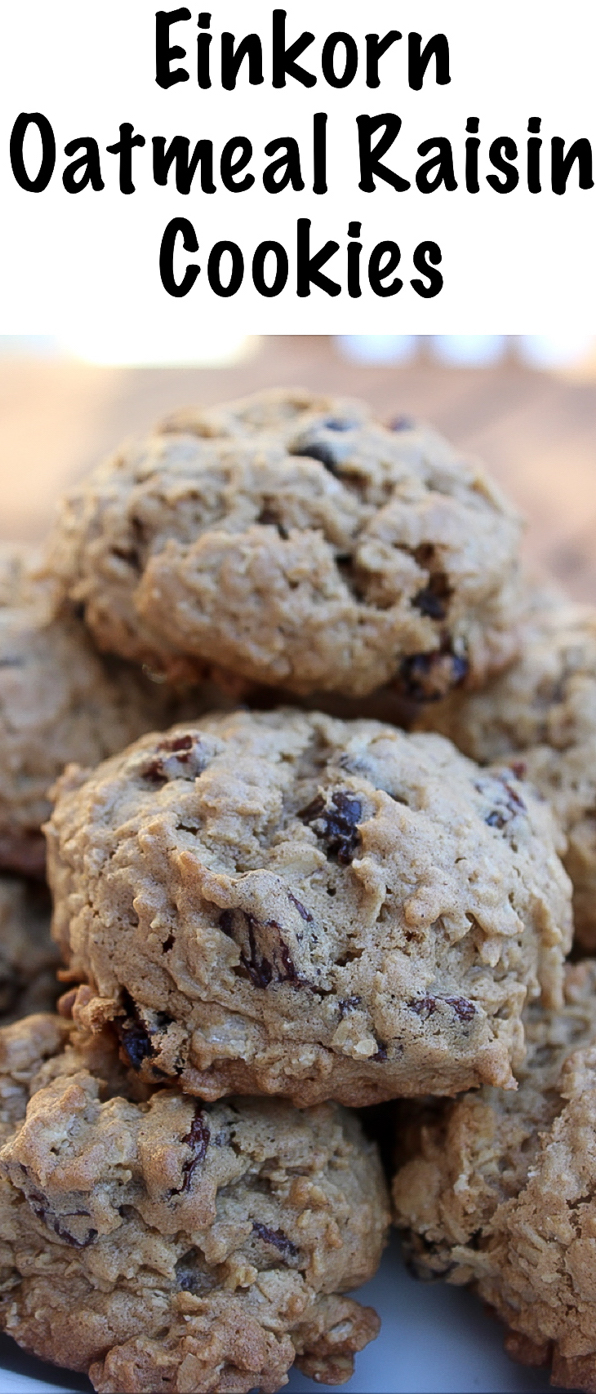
(526, 405)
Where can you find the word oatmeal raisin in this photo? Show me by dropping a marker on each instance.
(297, 542)
(286, 903)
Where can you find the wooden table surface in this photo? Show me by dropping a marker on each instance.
(535, 431)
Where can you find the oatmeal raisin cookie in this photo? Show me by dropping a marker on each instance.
(59, 701)
(295, 541)
(165, 1244)
(541, 714)
(286, 903)
(499, 1190)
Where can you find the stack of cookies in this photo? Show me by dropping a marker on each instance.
(323, 771)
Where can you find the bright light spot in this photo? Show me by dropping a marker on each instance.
(377, 349)
(555, 350)
(469, 350)
(147, 347)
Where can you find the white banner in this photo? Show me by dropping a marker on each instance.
(325, 167)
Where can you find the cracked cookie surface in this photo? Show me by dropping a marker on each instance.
(500, 1190)
(59, 701)
(542, 712)
(202, 1247)
(286, 903)
(295, 541)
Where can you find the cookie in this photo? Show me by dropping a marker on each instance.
(28, 957)
(59, 701)
(294, 541)
(542, 712)
(286, 903)
(26, 1046)
(499, 1190)
(201, 1247)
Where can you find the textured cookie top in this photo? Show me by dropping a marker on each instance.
(542, 711)
(26, 1046)
(501, 1190)
(546, 698)
(205, 1244)
(59, 701)
(284, 902)
(297, 542)
(28, 957)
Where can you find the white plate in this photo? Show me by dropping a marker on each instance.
(434, 1340)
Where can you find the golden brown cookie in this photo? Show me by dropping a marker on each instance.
(499, 1190)
(165, 1244)
(542, 712)
(295, 541)
(286, 903)
(59, 701)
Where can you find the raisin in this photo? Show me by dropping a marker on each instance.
(507, 808)
(54, 1222)
(277, 1238)
(433, 599)
(519, 769)
(514, 799)
(339, 823)
(134, 1036)
(329, 452)
(427, 677)
(263, 952)
(427, 1006)
(181, 745)
(463, 1009)
(198, 1139)
(313, 810)
(302, 911)
(170, 754)
(137, 1043)
(423, 1006)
